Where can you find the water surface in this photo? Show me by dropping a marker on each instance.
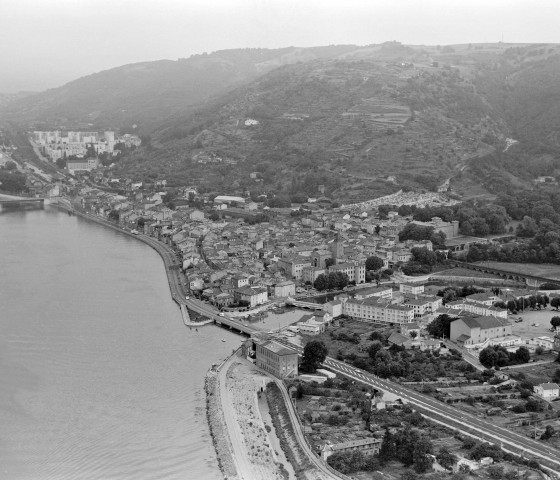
(99, 377)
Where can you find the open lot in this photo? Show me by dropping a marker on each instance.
(536, 323)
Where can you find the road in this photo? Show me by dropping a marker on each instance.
(518, 444)
(319, 464)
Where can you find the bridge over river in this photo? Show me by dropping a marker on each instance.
(530, 280)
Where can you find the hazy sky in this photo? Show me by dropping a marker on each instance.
(46, 43)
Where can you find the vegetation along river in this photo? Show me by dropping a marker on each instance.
(99, 377)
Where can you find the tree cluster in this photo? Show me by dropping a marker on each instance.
(498, 356)
(408, 446)
(331, 280)
(353, 461)
(533, 302)
(440, 327)
(374, 263)
(12, 181)
(450, 294)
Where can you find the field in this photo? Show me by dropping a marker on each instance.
(542, 270)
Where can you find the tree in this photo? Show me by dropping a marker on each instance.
(321, 283)
(446, 459)
(522, 355)
(314, 354)
(555, 303)
(440, 326)
(424, 256)
(114, 215)
(511, 306)
(10, 165)
(549, 432)
(488, 357)
(495, 471)
(373, 349)
(374, 263)
(422, 461)
(388, 450)
(213, 216)
(555, 322)
(329, 262)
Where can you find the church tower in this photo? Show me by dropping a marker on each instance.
(338, 248)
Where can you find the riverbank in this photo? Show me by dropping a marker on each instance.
(108, 382)
(246, 445)
(170, 261)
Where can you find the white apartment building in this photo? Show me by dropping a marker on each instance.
(411, 288)
(378, 310)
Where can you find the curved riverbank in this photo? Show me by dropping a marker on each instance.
(170, 261)
(107, 382)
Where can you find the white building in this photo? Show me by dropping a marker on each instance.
(547, 391)
(355, 271)
(378, 310)
(411, 288)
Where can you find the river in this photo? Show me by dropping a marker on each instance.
(99, 377)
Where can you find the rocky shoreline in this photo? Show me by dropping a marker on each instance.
(218, 428)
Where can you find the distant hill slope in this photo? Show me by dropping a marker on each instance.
(146, 93)
(360, 121)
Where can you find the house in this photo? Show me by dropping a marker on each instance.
(311, 327)
(82, 165)
(334, 308)
(429, 344)
(547, 391)
(322, 317)
(310, 274)
(277, 359)
(293, 265)
(368, 446)
(411, 288)
(253, 295)
(195, 283)
(473, 331)
(196, 215)
(239, 281)
(284, 289)
(400, 340)
(355, 271)
(381, 292)
(408, 328)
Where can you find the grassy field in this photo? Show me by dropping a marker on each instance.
(543, 270)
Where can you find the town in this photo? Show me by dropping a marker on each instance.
(477, 343)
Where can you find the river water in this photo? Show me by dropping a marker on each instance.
(99, 378)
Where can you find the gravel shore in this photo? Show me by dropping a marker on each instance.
(218, 429)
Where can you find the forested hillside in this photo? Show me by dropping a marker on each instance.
(361, 121)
